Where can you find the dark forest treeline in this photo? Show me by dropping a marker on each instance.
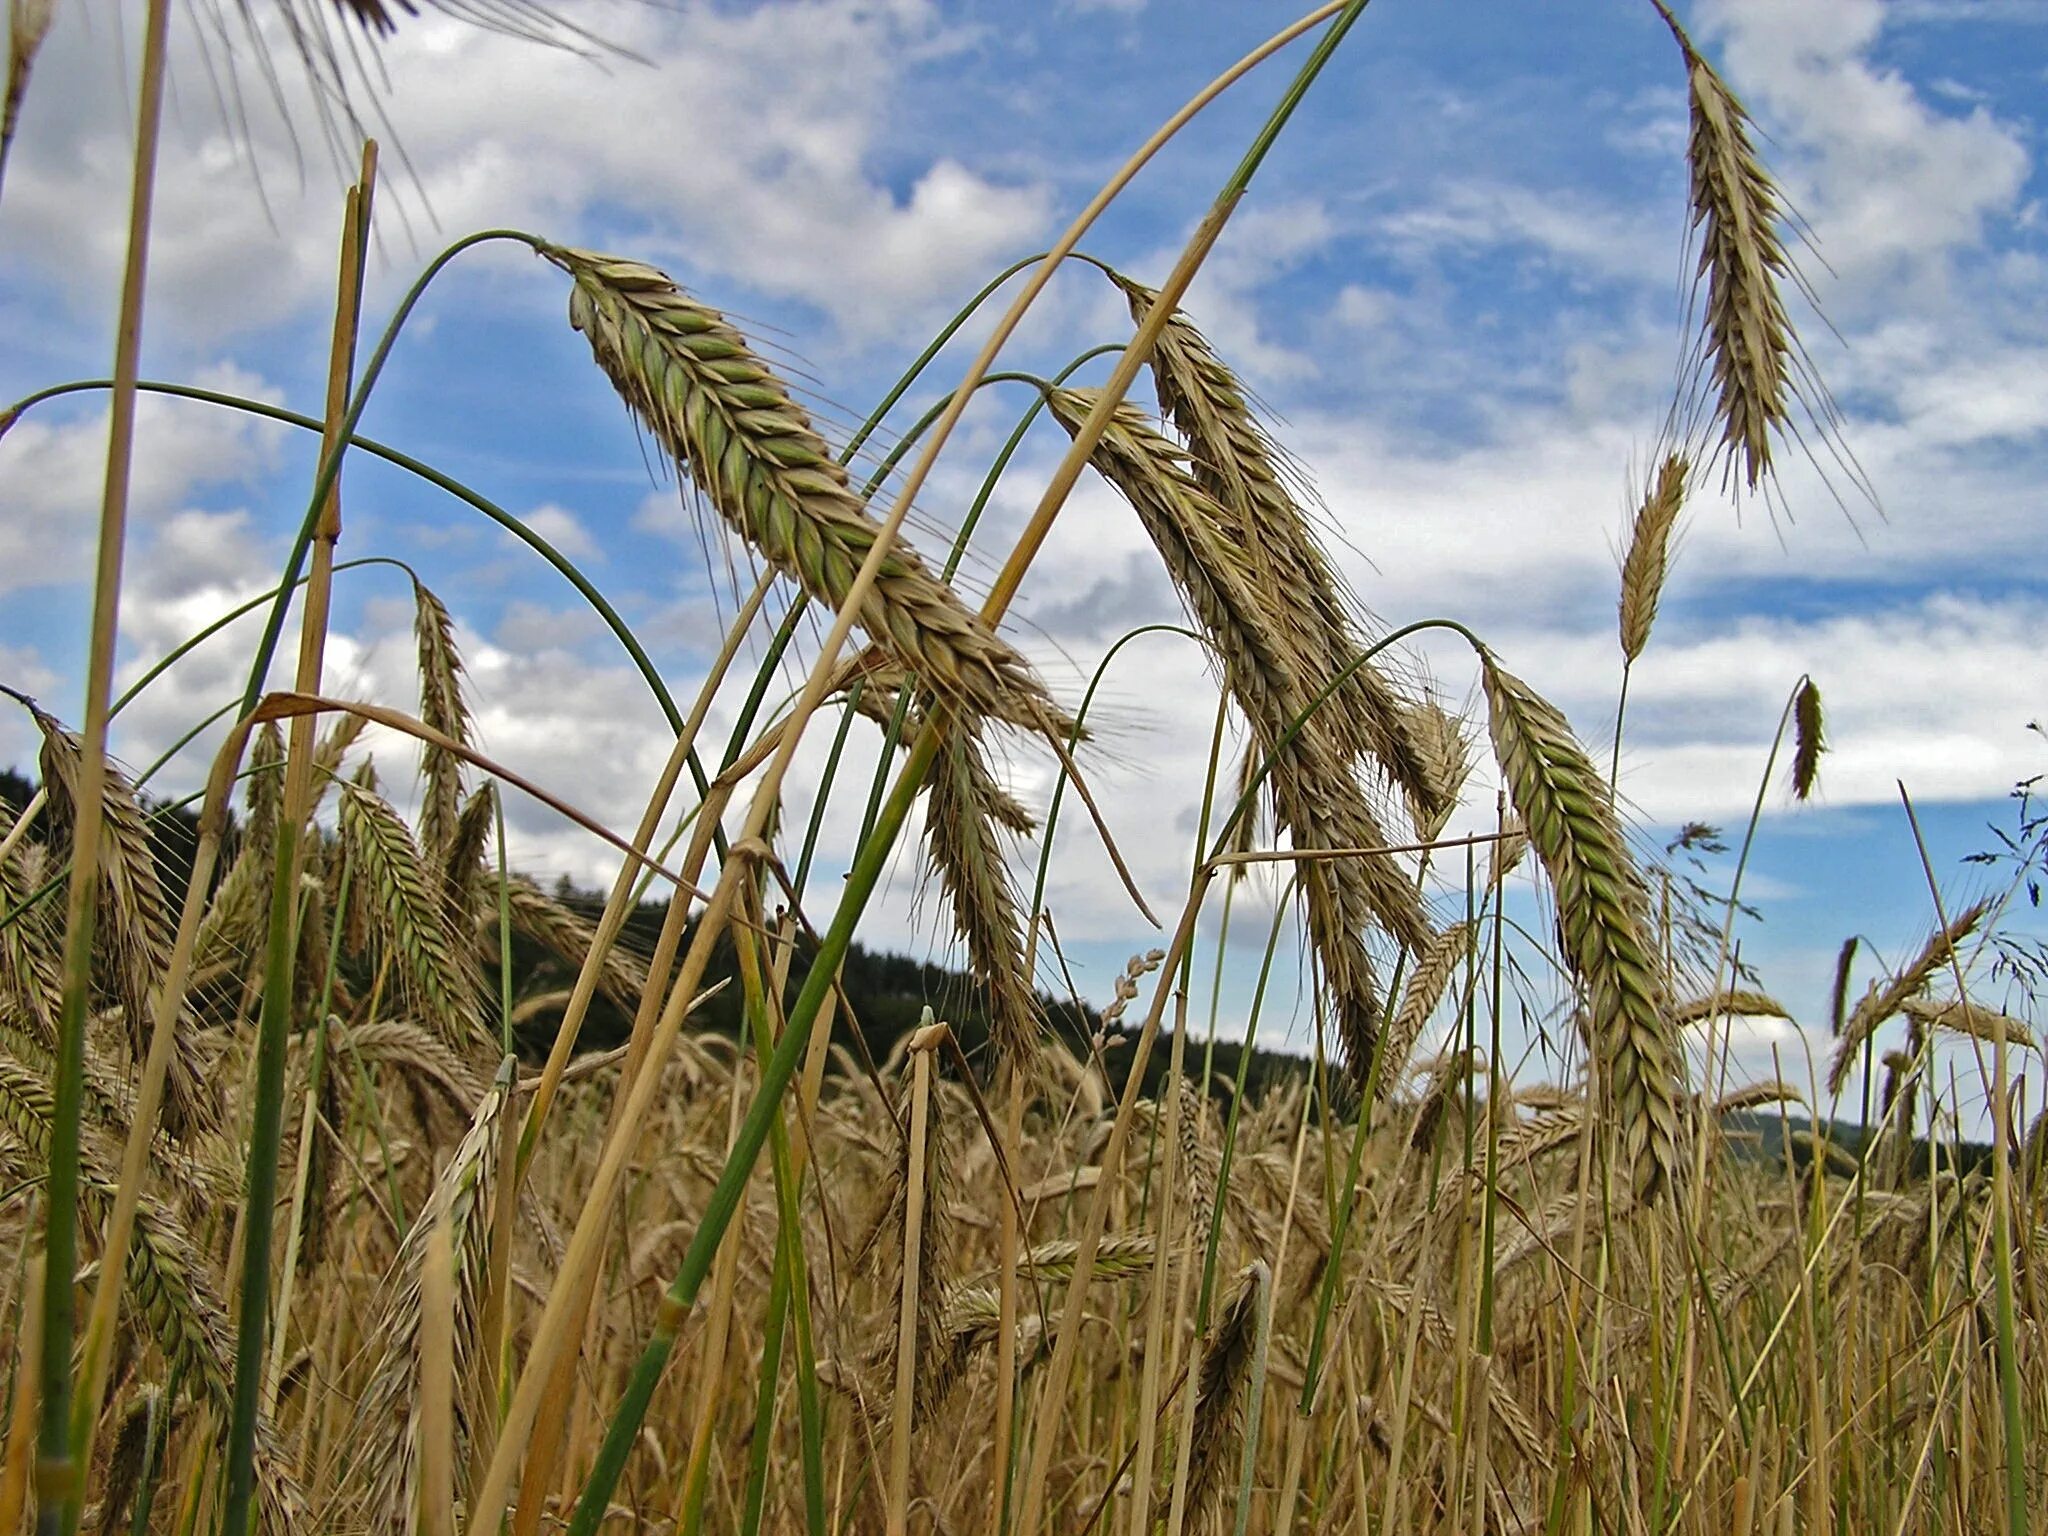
(885, 994)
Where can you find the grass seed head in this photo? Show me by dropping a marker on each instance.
(1603, 920)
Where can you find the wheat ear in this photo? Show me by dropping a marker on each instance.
(1643, 568)
(1748, 345)
(135, 920)
(443, 708)
(1809, 737)
(1233, 459)
(1880, 1003)
(399, 898)
(728, 421)
(1315, 796)
(1602, 915)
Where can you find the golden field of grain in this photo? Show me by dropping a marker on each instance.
(318, 1213)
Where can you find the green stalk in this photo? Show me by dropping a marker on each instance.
(330, 462)
(59, 1479)
(754, 1499)
(1244, 1062)
(2014, 1425)
(776, 1071)
(790, 1263)
(260, 1185)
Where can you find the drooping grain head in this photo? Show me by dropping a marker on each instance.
(730, 423)
(1881, 1003)
(1603, 919)
(1748, 348)
(1220, 1380)
(1232, 458)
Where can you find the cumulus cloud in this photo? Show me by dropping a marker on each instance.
(744, 146)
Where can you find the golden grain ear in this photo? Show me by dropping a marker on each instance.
(731, 424)
(1643, 567)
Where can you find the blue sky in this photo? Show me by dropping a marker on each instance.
(1458, 284)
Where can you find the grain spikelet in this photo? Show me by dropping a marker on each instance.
(28, 23)
(1755, 1095)
(1967, 1018)
(964, 810)
(422, 1060)
(462, 861)
(401, 900)
(728, 421)
(1220, 1380)
(1643, 567)
(382, 1477)
(1316, 798)
(442, 707)
(1439, 962)
(1880, 1003)
(1233, 460)
(134, 920)
(1732, 1002)
(1748, 347)
(30, 968)
(1809, 740)
(567, 933)
(1603, 920)
(1120, 1257)
(1446, 754)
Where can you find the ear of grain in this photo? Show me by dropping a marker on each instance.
(965, 809)
(566, 933)
(1972, 1019)
(966, 813)
(1809, 740)
(30, 968)
(731, 424)
(1643, 567)
(462, 860)
(1732, 1002)
(168, 1283)
(1748, 346)
(398, 895)
(134, 921)
(1603, 920)
(1885, 1002)
(1236, 463)
(1219, 1388)
(1446, 756)
(1316, 798)
(1447, 951)
(380, 1479)
(28, 23)
(441, 707)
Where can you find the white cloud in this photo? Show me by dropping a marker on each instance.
(744, 148)
(53, 465)
(1882, 176)
(565, 531)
